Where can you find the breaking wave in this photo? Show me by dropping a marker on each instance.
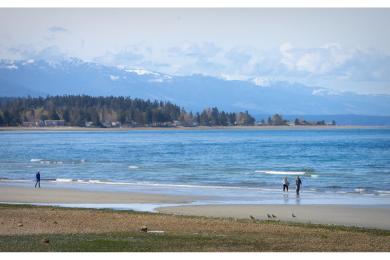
(46, 161)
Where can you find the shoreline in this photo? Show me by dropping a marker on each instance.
(200, 128)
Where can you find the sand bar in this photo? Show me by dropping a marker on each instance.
(13, 194)
(368, 217)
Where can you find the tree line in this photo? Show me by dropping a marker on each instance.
(82, 110)
(278, 120)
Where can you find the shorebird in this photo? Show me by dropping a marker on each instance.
(269, 216)
(293, 215)
(252, 217)
(274, 216)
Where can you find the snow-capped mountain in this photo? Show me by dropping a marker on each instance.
(195, 92)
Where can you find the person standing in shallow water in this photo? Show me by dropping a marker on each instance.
(298, 183)
(285, 184)
(38, 180)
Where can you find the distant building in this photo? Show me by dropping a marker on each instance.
(106, 124)
(176, 123)
(262, 122)
(54, 123)
(29, 124)
(89, 124)
(111, 124)
(116, 124)
(39, 123)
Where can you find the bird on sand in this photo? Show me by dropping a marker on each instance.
(293, 215)
(269, 216)
(252, 217)
(274, 216)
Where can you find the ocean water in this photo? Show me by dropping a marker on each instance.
(336, 166)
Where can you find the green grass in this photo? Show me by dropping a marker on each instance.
(129, 242)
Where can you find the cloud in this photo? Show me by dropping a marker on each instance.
(11, 67)
(325, 92)
(57, 29)
(29, 61)
(317, 61)
(233, 77)
(114, 78)
(52, 54)
(124, 56)
(195, 50)
(261, 81)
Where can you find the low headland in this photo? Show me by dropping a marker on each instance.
(125, 112)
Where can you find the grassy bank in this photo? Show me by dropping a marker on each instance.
(30, 228)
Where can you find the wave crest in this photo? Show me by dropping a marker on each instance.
(282, 172)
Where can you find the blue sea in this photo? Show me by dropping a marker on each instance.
(337, 166)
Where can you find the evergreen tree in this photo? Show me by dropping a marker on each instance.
(79, 109)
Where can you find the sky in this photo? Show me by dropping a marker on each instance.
(338, 49)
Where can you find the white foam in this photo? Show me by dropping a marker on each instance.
(359, 190)
(281, 172)
(133, 167)
(383, 191)
(94, 181)
(45, 162)
(63, 180)
(42, 161)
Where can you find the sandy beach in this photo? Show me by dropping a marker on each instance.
(345, 215)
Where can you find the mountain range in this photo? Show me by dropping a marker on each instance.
(193, 92)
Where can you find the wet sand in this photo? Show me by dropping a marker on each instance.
(345, 215)
(11, 194)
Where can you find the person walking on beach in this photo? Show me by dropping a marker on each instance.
(285, 184)
(298, 184)
(38, 180)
